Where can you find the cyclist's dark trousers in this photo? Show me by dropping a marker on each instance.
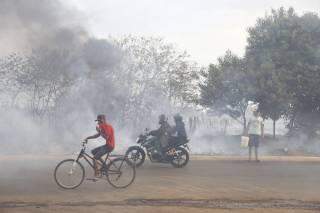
(100, 151)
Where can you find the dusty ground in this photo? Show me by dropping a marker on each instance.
(207, 184)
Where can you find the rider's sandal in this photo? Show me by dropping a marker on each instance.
(98, 174)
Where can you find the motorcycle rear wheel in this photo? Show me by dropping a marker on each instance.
(180, 157)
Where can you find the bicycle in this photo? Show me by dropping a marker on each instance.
(70, 173)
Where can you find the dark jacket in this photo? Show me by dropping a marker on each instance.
(180, 130)
(162, 133)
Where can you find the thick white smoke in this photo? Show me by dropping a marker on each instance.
(106, 77)
(76, 77)
(56, 38)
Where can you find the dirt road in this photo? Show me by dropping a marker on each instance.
(207, 184)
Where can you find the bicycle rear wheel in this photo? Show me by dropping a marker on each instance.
(69, 174)
(120, 173)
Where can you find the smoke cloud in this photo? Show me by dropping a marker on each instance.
(27, 25)
(60, 46)
(54, 38)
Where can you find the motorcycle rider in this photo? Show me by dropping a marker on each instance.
(163, 132)
(178, 132)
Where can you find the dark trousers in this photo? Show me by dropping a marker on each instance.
(99, 151)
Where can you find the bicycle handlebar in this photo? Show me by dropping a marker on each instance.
(84, 143)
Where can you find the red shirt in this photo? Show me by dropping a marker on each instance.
(106, 131)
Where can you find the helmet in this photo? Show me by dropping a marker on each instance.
(162, 118)
(177, 117)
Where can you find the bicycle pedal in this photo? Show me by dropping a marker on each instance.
(92, 179)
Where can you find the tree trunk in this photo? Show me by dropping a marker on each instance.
(244, 124)
(243, 114)
(274, 129)
(290, 126)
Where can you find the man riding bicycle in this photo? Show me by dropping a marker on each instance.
(105, 130)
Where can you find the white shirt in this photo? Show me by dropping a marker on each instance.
(255, 124)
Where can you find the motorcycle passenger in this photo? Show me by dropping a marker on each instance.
(162, 132)
(179, 135)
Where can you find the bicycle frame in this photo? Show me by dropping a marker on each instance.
(90, 159)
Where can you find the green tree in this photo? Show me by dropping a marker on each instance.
(225, 87)
(268, 91)
(283, 50)
(270, 94)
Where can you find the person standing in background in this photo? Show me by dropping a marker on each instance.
(255, 131)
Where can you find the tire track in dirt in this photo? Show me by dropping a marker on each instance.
(215, 204)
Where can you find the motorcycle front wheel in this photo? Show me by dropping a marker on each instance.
(136, 155)
(180, 157)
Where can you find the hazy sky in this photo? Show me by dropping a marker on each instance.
(205, 28)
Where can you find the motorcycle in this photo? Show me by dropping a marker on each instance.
(176, 153)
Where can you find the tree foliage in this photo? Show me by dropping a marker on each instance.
(283, 55)
(130, 79)
(156, 77)
(225, 87)
(280, 70)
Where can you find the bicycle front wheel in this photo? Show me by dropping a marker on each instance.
(69, 174)
(120, 173)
